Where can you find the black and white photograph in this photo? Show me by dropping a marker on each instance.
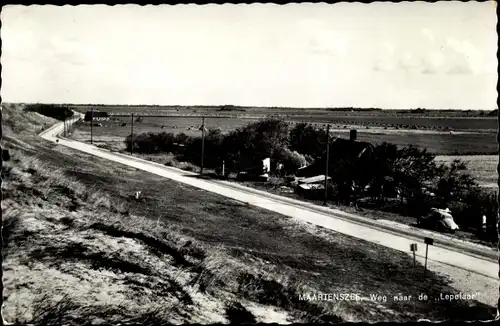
(249, 163)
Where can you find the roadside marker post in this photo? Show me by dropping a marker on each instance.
(414, 248)
(327, 159)
(428, 241)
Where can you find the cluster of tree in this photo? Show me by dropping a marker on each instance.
(152, 143)
(423, 184)
(240, 149)
(58, 112)
(410, 171)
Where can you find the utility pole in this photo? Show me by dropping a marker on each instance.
(202, 143)
(132, 135)
(91, 123)
(327, 161)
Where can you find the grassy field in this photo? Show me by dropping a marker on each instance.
(482, 167)
(78, 249)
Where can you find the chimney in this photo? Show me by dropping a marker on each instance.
(353, 134)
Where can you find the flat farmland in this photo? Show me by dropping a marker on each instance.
(428, 120)
(204, 109)
(409, 122)
(463, 141)
(438, 143)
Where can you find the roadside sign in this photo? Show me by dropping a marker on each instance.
(428, 241)
(413, 247)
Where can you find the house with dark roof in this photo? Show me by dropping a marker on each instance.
(96, 116)
(349, 160)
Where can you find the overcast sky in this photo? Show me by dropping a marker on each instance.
(405, 55)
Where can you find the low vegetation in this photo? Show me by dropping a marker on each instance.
(78, 250)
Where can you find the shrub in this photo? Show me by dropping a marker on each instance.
(476, 204)
(164, 142)
(182, 138)
(245, 147)
(189, 168)
(291, 160)
(306, 139)
(453, 185)
(193, 145)
(151, 143)
(275, 182)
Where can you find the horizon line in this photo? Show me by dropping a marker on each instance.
(247, 106)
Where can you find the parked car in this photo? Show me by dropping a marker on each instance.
(439, 220)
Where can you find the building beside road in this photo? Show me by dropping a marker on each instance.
(350, 164)
(346, 156)
(96, 116)
(312, 187)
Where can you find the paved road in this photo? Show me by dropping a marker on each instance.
(470, 259)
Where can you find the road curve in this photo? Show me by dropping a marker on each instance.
(465, 256)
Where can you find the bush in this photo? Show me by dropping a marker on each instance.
(476, 204)
(189, 168)
(151, 143)
(291, 160)
(275, 182)
(306, 139)
(182, 138)
(192, 148)
(164, 142)
(245, 147)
